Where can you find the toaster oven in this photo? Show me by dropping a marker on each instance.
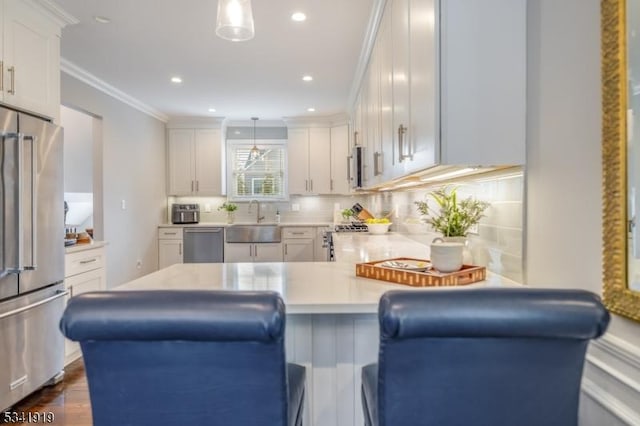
(185, 213)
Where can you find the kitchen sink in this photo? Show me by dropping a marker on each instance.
(253, 234)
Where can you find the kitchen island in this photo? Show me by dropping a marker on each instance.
(332, 326)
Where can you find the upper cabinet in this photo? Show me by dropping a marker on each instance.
(195, 161)
(445, 84)
(318, 159)
(30, 57)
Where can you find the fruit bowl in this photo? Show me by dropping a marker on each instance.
(378, 228)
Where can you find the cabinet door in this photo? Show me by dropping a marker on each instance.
(267, 252)
(181, 162)
(78, 284)
(238, 252)
(31, 56)
(400, 46)
(339, 160)
(298, 150)
(298, 250)
(422, 141)
(389, 154)
(169, 252)
(320, 161)
(208, 164)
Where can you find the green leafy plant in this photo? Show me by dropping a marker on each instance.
(228, 207)
(453, 218)
(346, 214)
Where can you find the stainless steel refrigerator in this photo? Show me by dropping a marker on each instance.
(32, 296)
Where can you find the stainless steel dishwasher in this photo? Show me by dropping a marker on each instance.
(203, 245)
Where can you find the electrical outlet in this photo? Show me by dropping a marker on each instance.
(295, 207)
(473, 229)
(207, 208)
(139, 264)
(123, 204)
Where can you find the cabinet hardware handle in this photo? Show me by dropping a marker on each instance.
(306, 185)
(12, 71)
(1, 76)
(84, 262)
(349, 157)
(191, 186)
(297, 233)
(331, 185)
(255, 251)
(402, 131)
(355, 138)
(197, 186)
(311, 185)
(170, 233)
(250, 250)
(285, 250)
(180, 249)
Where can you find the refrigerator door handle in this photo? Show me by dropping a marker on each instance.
(17, 265)
(34, 201)
(58, 295)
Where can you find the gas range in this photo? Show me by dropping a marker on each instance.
(351, 227)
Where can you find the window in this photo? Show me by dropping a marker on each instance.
(263, 178)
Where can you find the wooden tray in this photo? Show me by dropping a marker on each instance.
(467, 275)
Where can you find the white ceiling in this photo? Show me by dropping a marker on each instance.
(149, 41)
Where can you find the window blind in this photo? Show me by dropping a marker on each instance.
(262, 177)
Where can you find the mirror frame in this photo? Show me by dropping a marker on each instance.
(617, 296)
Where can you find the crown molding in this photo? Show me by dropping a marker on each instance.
(61, 16)
(325, 121)
(85, 76)
(365, 52)
(195, 123)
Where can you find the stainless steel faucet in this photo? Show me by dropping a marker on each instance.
(258, 217)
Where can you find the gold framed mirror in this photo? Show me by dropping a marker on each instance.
(621, 257)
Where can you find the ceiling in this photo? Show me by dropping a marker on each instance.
(149, 41)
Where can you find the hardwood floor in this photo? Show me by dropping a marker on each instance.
(68, 400)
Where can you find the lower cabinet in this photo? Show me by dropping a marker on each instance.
(170, 246)
(84, 272)
(250, 252)
(298, 244)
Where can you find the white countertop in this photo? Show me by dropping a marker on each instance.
(85, 246)
(225, 224)
(306, 287)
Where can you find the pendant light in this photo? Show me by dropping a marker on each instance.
(235, 20)
(254, 154)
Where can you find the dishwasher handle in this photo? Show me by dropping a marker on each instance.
(202, 230)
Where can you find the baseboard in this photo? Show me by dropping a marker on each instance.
(610, 403)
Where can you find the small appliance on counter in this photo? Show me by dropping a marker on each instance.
(185, 213)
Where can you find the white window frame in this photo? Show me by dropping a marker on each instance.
(262, 144)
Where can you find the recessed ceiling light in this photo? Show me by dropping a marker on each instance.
(307, 78)
(311, 109)
(101, 19)
(176, 80)
(298, 17)
(212, 110)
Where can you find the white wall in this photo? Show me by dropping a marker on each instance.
(564, 227)
(133, 170)
(78, 150)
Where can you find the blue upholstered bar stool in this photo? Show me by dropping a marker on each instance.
(186, 358)
(480, 357)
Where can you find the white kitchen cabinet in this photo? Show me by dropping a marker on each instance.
(170, 246)
(340, 183)
(195, 162)
(298, 244)
(452, 86)
(309, 161)
(30, 58)
(250, 252)
(84, 271)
